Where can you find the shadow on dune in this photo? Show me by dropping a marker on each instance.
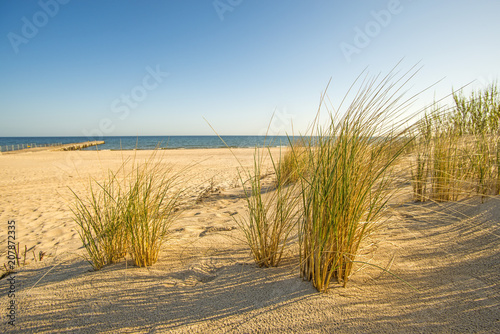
(449, 252)
(138, 298)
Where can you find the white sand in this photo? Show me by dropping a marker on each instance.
(205, 280)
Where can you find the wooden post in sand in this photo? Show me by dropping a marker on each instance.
(50, 146)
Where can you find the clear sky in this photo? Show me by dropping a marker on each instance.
(122, 67)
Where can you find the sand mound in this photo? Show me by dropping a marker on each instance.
(206, 281)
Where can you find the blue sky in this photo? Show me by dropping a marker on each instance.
(119, 67)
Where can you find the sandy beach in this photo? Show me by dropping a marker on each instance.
(206, 281)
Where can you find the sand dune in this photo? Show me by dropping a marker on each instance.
(205, 280)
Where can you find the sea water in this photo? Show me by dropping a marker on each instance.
(150, 142)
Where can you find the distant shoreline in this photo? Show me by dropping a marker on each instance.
(152, 142)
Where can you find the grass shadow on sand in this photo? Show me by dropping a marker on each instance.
(453, 260)
(142, 299)
(451, 253)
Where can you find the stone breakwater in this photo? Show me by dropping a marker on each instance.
(54, 147)
(76, 146)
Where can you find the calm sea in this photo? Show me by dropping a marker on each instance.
(149, 142)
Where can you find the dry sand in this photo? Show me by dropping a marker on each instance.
(205, 280)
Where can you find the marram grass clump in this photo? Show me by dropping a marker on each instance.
(349, 181)
(150, 211)
(272, 212)
(129, 213)
(457, 150)
(100, 218)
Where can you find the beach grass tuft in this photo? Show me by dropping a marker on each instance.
(150, 211)
(129, 213)
(100, 219)
(349, 180)
(272, 212)
(457, 150)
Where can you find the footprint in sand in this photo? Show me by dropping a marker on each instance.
(231, 213)
(211, 229)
